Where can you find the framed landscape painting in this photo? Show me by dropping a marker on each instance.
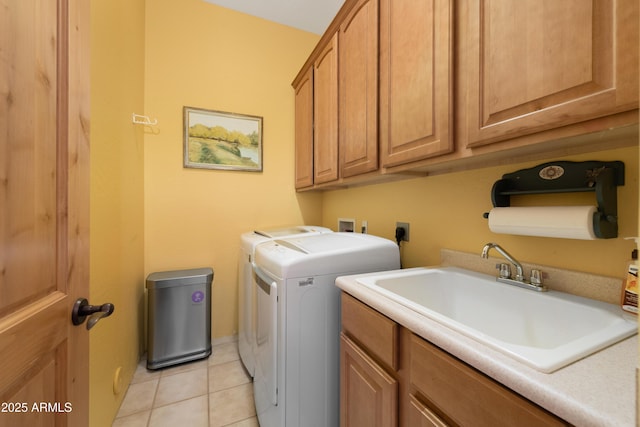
(220, 140)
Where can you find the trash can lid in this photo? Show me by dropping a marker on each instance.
(194, 276)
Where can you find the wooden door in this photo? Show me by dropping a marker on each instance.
(325, 113)
(44, 206)
(416, 84)
(358, 70)
(304, 130)
(531, 65)
(368, 394)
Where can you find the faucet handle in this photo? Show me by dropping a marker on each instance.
(536, 277)
(504, 270)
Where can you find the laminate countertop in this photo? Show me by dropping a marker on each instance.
(599, 390)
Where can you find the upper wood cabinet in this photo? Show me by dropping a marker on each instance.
(304, 130)
(325, 113)
(358, 69)
(531, 65)
(422, 86)
(416, 83)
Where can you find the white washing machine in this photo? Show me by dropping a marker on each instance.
(246, 290)
(297, 365)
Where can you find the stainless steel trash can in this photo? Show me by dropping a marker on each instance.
(179, 316)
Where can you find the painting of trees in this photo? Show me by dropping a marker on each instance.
(220, 140)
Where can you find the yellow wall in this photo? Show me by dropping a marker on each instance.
(117, 77)
(445, 211)
(205, 56)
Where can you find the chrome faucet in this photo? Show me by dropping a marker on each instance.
(504, 276)
(519, 270)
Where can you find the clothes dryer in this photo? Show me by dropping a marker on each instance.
(246, 291)
(297, 369)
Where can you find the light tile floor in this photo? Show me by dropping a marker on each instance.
(214, 392)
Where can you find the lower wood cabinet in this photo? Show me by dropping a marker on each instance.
(421, 416)
(392, 377)
(466, 397)
(369, 395)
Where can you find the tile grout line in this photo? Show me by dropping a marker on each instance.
(208, 392)
(169, 373)
(153, 401)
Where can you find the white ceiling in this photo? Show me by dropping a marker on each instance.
(309, 15)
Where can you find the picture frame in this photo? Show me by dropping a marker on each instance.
(222, 140)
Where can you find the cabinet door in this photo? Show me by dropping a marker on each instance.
(468, 397)
(421, 416)
(374, 331)
(358, 64)
(325, 111)
(368, 395)
(532, 65)
(304, 131)
(415, 80)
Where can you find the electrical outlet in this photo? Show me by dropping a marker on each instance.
(404, 225)
(364, 226)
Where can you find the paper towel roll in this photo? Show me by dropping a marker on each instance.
(568, 222)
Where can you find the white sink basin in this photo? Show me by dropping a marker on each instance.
(545, 330)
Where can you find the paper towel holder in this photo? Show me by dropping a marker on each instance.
(603, 178)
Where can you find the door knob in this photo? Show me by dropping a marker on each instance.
(82, 309)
